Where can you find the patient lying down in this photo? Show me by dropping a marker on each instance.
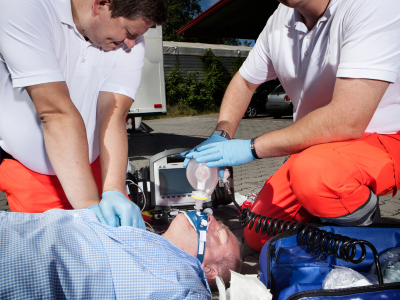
(70, 255)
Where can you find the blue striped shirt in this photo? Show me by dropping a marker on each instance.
(70, 255)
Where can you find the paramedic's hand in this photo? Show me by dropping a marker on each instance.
(115, 205)
(225, 154)
(98, 213)
(211, 140)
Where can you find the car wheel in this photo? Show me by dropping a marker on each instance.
(251, 112)
(277, 116)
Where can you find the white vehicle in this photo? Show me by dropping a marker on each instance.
(150, 98)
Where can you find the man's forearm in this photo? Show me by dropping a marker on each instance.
(315, 128)
(113, 156)
(236, 100)
(67, 148)
(346, 117)
(112, 111)
(66, 142)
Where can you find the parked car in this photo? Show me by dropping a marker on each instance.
(258, 101)
(278, 103)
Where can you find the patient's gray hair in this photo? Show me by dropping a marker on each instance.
(230, 262)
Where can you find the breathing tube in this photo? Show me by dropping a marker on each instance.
(336, 245)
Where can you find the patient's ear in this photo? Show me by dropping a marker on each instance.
(211, 271)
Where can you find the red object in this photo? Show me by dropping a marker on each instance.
(146, 218)
(31, 192)
(157, 105)
(246, 204)
(287, 98)
(28, 191)
(266, 100)
(329, 180)
(203, 15)
(131, 125)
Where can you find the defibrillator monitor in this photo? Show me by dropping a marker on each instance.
(173, 180)
(169, 185)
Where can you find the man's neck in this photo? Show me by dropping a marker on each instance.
(77, 7)
(312, 11)
(182, 234)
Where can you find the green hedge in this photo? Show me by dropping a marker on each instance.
(200, 95)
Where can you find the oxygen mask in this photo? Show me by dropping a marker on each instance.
(203, 179)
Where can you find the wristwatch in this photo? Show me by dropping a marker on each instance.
(253, 149)
(222, 133)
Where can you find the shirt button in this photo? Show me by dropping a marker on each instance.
(76, 215)
(309, 36)
(306, 53)
(83, 61)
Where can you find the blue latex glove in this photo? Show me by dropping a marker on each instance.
(228, 153)
(212, 139)
(98, 213)
(114, 204)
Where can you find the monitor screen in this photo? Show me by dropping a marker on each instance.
(174, 181)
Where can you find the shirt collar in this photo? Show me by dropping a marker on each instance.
(64, 12)
(295, 20)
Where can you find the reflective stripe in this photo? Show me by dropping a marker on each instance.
(365, 215)
(203, 235)
(201, 248)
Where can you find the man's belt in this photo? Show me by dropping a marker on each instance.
(5, 155)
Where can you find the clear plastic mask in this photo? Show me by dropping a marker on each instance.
(202, 178)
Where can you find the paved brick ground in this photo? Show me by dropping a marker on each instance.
(3, 202)
(189, 132)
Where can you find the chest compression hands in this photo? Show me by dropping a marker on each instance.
(115, 210)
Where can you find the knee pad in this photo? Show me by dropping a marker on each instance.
(365, 215)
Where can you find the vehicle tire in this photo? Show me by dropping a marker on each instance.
(277, 116)
(251, 112)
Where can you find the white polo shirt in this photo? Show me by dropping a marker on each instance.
(361, 41)
(39, 43)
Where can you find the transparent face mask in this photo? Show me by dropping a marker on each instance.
(203, 180)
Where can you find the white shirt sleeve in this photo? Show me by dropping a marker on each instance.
(26, 44)
(371, 40)
(127, 72)
(258, 68)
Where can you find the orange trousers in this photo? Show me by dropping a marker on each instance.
(31, 192)
(329, 180)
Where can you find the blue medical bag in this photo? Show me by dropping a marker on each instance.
(292, 271)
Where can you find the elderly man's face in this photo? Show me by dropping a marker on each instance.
(109, 33)
(220, 243)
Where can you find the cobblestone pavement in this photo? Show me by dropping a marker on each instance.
(191, 131)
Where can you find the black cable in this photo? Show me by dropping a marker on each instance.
(335, 245)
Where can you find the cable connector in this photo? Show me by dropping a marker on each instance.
(226, 182)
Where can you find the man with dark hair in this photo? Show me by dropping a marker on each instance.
(149, 9)
(69, 71)
(63, 254)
